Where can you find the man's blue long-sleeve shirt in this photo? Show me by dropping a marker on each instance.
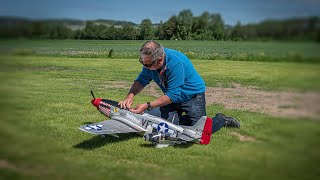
(182, 81)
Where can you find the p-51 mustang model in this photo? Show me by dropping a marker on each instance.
(160, 132)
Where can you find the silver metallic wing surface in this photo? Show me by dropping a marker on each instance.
(185, 137)
(108, 127)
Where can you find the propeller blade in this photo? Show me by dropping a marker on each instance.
(92, 95)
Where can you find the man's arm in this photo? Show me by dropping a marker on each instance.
(135, 89)
(161, 101)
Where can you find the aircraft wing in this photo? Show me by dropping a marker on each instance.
(108, 127)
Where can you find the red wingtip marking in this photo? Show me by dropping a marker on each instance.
(206, 133)
(96, 102)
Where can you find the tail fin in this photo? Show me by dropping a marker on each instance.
(204, 125)
(206, 132)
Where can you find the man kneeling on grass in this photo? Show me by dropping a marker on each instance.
(183, 88)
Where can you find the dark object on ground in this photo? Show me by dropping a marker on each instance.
(229, 121)
(221, 120)
(111, 54)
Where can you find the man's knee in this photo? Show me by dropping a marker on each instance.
(184, 120)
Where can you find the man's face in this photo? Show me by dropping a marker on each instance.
(147, 62)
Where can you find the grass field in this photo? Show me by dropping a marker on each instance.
(210, 50)
(44, 99)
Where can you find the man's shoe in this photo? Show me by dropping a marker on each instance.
(229, 121)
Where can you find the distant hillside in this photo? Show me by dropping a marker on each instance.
(11, 21)
(113, 22)
(71, 23)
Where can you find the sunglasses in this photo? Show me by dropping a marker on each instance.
(147, 65)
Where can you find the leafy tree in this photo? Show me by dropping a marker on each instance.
(39, 29)
(160, 32)
(170, 28)
(108, 33)
(90, 31)
(77, 34)
(216, 26)
(200, 27)
(129, 32)
(146, 29)
(236, 32)
(184, 24)
(58, 31)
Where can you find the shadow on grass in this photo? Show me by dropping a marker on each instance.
(150, 145)
(89, 122)
(98, 141)
(187, 145)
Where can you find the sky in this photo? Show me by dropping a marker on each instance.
(232, 11)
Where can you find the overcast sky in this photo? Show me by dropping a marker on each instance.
(245, 11)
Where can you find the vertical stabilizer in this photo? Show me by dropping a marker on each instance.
(204, 125)
(206, 132)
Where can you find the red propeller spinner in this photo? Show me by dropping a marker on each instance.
(95, 101)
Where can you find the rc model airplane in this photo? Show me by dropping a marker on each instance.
(159, 131)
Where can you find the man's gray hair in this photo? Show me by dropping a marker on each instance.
(153, 49)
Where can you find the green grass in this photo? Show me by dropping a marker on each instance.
(265, 75)
(44, 100)
(96, 71)
(210, 50)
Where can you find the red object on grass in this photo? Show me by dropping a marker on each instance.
(96, 102)
(207, 131)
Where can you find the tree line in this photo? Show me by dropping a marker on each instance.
(184, 26)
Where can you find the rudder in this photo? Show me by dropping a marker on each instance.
(204, 124)
(206, 132)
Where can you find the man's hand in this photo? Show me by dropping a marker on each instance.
(127, 103)
(139, 109)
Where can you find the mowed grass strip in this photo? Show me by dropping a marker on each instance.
(44, 100)
(211, 50)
